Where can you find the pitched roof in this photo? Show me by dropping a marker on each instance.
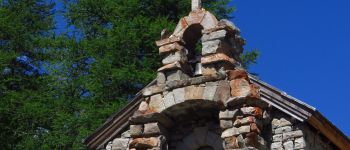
(271, 95)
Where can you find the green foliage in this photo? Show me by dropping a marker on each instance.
(94, 69)
(249, 58)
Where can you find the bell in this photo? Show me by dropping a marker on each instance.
(198, 69)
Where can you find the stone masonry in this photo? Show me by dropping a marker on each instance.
(206, 100)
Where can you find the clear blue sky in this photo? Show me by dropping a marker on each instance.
(305, 50)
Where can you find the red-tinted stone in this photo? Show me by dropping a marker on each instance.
(237, 74)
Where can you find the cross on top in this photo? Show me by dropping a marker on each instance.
(196, 4)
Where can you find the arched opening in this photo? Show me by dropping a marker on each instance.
(192, 38)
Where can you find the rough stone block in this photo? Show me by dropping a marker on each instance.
(244, 129)
(254, 128)
(228, 114)
(154, 129)
(230, 132)
(231, 142)
(152, 117)
(217, 57)
(289, 145)
(209, 70)
(161, 78)
(291, 135)
(237, 74)
(224, 124)
(277, 146)
(223, 92)
(179, 95)
(283, 129)
(209, 92)
(170, 47)
(194, 92)
(240, 88)
(176, 75)
(169, 99)
(299, 143)
(120, 144)
(277, 138)
(172, 57)
(143, 107)
(136, 130)
(244, 121)
(145, 143)
(155, 89)
(126, 134)
(221, 34)
(156, 103)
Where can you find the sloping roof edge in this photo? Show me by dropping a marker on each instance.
(273, 96)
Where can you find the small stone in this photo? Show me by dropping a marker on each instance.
(161, 79)
(179, 95)
(283, 129)
(244, 121)
(120, 144)
(148, 91)
(194, 92)
(210, 47)
(143, 107)
(209, 92)
(214, 35)
(231, 142)
(176, 75)
(289, 145)
(176, 56)
(136, 130)
(230, 132)
(277, 146)
(237, 74)
(228, 114)
(153, 129)
(254, 128)
(244, 129)
(291, 135)
(126, 134)
(156, 103)
(144, 143)
(240, 88)
(169, 99)
(277, 138)
(170, 47)
(248, 110)
(275, 123)
(299, 143)
(224, 124)
(284, 122)
(223, 92)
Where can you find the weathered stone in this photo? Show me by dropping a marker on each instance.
(277, 138)
(169, 41)
(144, 143)
(229, 24)
(179, 95)
(240, 141)
(289, 145)
(209, 92)
(194, 92)
(170, 47)
(217, 57)
(299, 143)
(176, 75)
(156, 103)
(228, 114)
(143, 107)
(231, 142)
(275, 123)
(277, 146)
(209, 70)
(283, 129)
(126, 134)
(284, 122)
(221, 34)
(169, 99)
(230, 132)
(136, 130)
(224, 124)
(153, 129)
(120, 144)
(244, 129)
(161, 78)
(237, 74)
(244, 121)
(291, 135)
(176, 56)
(240, 88)
(155, 89)
(248, 110)
(223, 92)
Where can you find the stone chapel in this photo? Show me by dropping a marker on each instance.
(206, 101)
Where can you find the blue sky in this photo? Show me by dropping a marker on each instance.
(305, 50)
